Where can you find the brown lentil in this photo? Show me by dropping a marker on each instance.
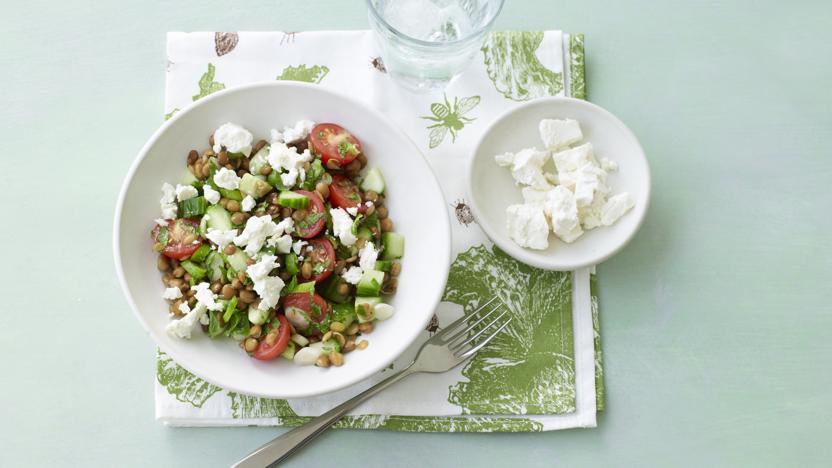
(366, 327)
(216, 287)
(337, 327)
(382, 212)
(386, 225)
(362, 159)
(189, 239)
(369, 195)
(239, 218)
(362, 344)
(222, 158)
(205, 171)
(326, 336)
(352, 329)
(343, 289)
(258, 146)
(299, 214)
(233, 206)
(179, 272)
(322, 189)
(236, 283)
(211, 140)
(370, 210)
(337, 359)
(339, 338)
(271, 338)
(193, 155)
(272, 198)
(307, 166)
(162, 263)
(255, 331)
(251, 345)
(348, 346)
(323, 361)
(227, 292)
(167, 277)
(354, 166)
(286, 212)
(247, 296)
(395, 269)
(230, 249)
(265, 170)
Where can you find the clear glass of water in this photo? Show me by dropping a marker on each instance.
(426, 43)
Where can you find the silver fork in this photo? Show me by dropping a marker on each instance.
(441, 353)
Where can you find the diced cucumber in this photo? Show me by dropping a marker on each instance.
(289, 352)
(230, 309)
(200, 254)
(344, 313)
(192, 207)
(384, 265)
(292, 199)
(329, 290)
(217, 217)
(215, 266)
(373, 181)
(300, 340)
(362, 314)
(292, 263)
(197, 272)
(364, 233)
(370, 283)
(254, 186)
(275, 180)
(259, 160)
(238, 260)
(188, 178)
(257, 316)
(393, 245)
(231, 194)
(308, 287)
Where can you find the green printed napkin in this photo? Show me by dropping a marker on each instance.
(545, 372)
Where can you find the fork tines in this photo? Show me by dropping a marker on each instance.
(466, 340)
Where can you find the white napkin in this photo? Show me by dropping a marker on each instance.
(556, 391)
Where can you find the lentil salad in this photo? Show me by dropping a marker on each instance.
(284, 245)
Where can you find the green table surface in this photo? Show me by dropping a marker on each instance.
(716, 318)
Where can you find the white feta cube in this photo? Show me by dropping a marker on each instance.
(571, 160)
(527, 226)
(527, 168)
(557, 134)
(615, 208)
(563, 213)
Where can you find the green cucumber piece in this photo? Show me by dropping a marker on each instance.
(274, 179)
(393, 245)
(259, 160)
(238, 260)
(217, 217)
(344, 313)
(292, 263)
(289, 352)
(329, 290)
(373, 181)
(231, 194)
(254, 186)
(364, 233)
(191, 207)
(197, 272)
(188, 178)
(308, 287)
(384, 265)
(230, 309)
(370, 283)
(215, 265)
(291, 199)
(359, 308)
(200, 254)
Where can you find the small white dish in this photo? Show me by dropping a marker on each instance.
(491, 188)
(414, 198)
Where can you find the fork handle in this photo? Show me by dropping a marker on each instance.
(287, 443)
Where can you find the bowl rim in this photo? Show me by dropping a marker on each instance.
(444, 251)
(521, 254)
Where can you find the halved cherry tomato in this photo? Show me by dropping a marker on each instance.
(174, 235)
(301, 308)
(322, 257)
(343, 193)
(266, 352)
(315, 220)
(333, 143)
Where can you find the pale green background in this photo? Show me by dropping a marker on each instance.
(716, 319)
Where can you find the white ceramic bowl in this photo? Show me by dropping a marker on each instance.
(492, 189)
(414, 198)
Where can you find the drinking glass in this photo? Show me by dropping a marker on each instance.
(426, 43)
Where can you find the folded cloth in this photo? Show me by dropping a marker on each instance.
(545, 372)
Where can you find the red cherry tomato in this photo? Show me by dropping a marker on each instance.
(315, 220)
(333, 143)
(303, 308)
(266, 352)
(343, 193)
(322, 257)
(174, 235)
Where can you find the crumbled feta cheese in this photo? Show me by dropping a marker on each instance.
(211, 195)
(558, 134)
(383, 311)
(227, 179)
(255, 233)
(161, 222)
(573, 159)
(609, 165)
(168, 201)
(299, 132)
(234, 138)
(183, 327)
(283, 243)
(275, 136)
(342, 226)
(248, 203)
(527, 168)
(505, 159)
(535, 195)
(563, 213)
(267, 287)
(186, 192)
(527, 226)
(615, 207)
(367, 257)
(286, 158)
(220, 237)
(172, 294)
(205, 296)
(591, 215)
(298, 245)
(204, 319)
(590, 180)
(261, 269)
(353, 275)
(353, 210)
